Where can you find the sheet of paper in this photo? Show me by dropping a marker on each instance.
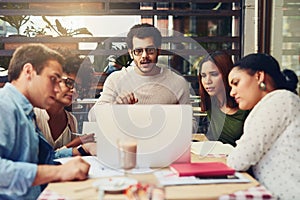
(98, 170)
(167, 177)
(210, 147)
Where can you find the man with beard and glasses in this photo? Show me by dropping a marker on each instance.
(145, 82)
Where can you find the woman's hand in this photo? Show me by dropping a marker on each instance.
(87, 138)
(81, 140)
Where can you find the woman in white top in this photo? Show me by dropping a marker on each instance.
(270, 143)
(56, 123)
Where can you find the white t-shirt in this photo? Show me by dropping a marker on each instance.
(65, 137)
(270, 144)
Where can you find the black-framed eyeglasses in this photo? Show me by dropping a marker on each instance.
(139, 51)
(70, 83)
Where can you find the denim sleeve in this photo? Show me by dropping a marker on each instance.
(16, 177)
(64, 152)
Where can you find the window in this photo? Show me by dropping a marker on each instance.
(285, 44)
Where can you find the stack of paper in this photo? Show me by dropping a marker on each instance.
(211, 148)
(97, 169)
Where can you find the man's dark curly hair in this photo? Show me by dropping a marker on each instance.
(143, 31)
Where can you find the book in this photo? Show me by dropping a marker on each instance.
(202, 169)
(167, 177)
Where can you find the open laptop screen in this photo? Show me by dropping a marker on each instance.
(163, 133)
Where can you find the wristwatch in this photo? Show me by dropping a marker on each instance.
(82, 151)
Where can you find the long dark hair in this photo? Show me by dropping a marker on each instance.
(224, 63)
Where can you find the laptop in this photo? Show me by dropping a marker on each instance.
(163, 133)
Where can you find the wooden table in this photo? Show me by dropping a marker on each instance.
(85, 190)
(199, 137)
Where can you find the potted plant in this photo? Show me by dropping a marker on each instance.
(33, 31)
(16, 21)
(63, 31)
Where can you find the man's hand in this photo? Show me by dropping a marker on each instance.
(75, 169)
(126, 98)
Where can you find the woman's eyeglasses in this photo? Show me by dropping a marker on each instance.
(70, 83)
(139, 51)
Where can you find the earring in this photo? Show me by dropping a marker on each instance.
(262, 86)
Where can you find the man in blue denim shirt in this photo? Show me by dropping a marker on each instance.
(25, 156)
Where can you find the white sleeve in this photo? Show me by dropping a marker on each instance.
(267, 120)
(91, 115)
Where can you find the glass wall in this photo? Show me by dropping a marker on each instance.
(285, 38)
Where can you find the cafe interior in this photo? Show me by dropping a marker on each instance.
(190, 29)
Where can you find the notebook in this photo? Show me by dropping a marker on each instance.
(202, 169)
(163, 133)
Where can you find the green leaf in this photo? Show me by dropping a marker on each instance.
(16, 21)
(63, 31)
(80, 31)
(46, 20)
(49, 25)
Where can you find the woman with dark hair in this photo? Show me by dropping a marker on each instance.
(56, 123)
(270, 143)
(226, 120)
